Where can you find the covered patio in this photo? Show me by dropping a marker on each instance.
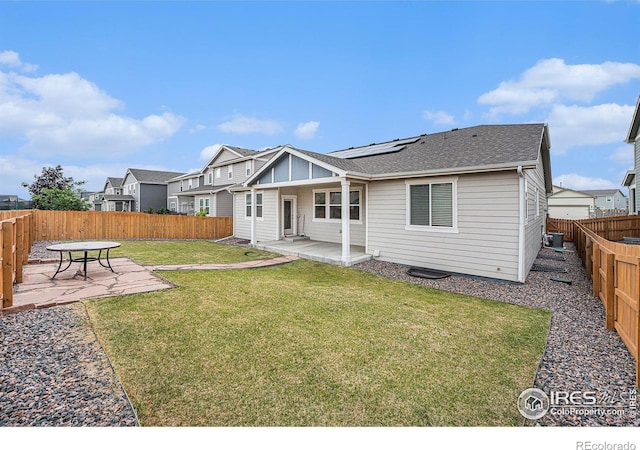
(325, 252)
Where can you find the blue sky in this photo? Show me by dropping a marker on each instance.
(98, 87)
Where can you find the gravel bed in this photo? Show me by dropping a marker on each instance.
(53, 372)
(581, 354)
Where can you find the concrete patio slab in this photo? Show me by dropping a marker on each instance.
(325, 252)
(38, 290)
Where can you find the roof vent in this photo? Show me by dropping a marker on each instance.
(455, 129)
(474, 135)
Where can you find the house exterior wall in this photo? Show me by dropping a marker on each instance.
(535, 225)
(487, 240)
(151, 196)
(616, 201)
(224, 204)
(269, 227)
(636, 153)
(568, 204)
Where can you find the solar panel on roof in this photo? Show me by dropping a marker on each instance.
(374, 149)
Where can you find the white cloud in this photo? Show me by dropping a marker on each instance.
(552, 81)
(12, 60)
(197, 128)
(64, 114)
(581, 182)
(240, 124)
(575, 126)
(438, 117)
(623, 155)
(307, 130)
(207, 153)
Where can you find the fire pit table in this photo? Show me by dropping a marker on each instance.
(84, 248)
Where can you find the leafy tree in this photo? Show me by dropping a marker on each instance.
(60, 200)
(52, 190)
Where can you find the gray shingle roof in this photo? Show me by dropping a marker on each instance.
(483, 145)
(114, 181)
(202, 190)
(602, 192)
(119, 197)
(153, 176)
(241, 151)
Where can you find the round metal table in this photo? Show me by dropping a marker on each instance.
(85, 248)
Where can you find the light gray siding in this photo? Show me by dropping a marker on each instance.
(266, 226)
(486, 243)
(224, 204)
(535, 224)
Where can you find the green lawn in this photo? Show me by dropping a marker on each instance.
(312, 344)
(186, 252)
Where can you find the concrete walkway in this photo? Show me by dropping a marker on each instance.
(38, 290)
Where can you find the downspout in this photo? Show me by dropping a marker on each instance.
(521, 225)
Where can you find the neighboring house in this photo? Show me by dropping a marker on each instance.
(95, 201)
(8, 202)
(112, 198)
(629, 181)
(209, 189)
(571, 204)
(633, 137)
(469, 200)
(609, 200)
(147, 188)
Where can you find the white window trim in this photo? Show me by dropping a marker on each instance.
(247, 168)
(454, 206)
(218, 172)
(210, 177)
(258, 219)
(327, 192)
(230, 172)
(526, 202)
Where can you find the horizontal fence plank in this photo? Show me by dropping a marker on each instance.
(83, 225)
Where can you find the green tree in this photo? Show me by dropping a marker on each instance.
(52, 185)
(60, 200)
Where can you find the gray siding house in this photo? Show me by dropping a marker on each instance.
(209, 189)
(469, 201)
(148, 188)
(609, 199)
(633, 137)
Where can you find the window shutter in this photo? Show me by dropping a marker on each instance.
(442, 207)
(420, 204)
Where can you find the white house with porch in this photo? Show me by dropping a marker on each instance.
(469, 201)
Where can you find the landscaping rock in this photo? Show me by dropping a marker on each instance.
(53, 372)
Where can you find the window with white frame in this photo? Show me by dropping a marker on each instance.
(537, 202)
(327, 205)
(230, 172)
(210, 177)
(248, 168)
(258, 205)
(181, 186)
(431, 205)
(204, 205)
(172, 206)
(218, 171)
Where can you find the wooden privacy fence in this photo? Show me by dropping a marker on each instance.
(16, 239)
(614, 269)
(610, 228)
(71, 225)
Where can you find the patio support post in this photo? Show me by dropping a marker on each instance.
(346, 231)
(253, 216)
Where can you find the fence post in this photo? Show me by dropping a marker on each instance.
(19, 243)
(7, 266)
(588, 255)
(609, 289)
(595, 277)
